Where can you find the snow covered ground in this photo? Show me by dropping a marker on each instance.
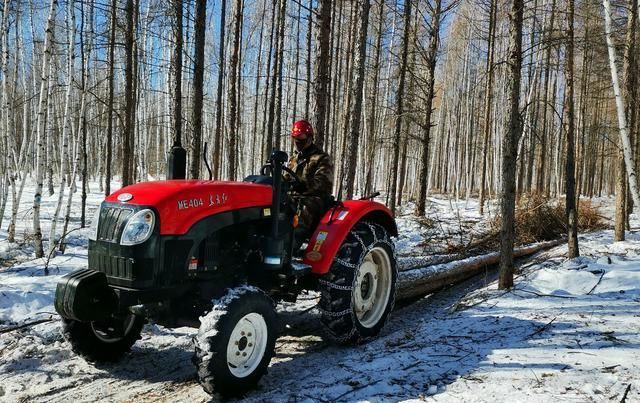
(569, 331)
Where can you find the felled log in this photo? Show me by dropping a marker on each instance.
(429, 279)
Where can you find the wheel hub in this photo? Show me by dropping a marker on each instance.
(373, 287)
(247, 345)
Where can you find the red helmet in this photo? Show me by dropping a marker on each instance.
(301, 127)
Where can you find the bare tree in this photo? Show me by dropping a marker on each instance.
(112, 63)
(513, 131)
(400, 105)
(129, 120)
(356, 106)
(432, 51)
(198, 86)
(627, 77)
(44, 94)
(570, 168)
(233, 75)
(322, 78)
(488, 102)
(620, 107)
(217, 142)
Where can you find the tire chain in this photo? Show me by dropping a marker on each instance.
(334, 314)
(335, 286)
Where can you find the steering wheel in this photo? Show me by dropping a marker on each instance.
(267, 170)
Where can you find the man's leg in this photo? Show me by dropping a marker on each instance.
(308, 215)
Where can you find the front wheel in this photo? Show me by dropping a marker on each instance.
(236, 341)
(101, 341)
(358, 293)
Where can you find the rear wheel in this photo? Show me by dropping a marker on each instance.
(106, 340)
(359, 291)
(236, 341)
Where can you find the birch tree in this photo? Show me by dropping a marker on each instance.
(42, 100)
(66, 122)
(620, 107)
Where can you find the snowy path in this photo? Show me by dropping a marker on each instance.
(516, 346)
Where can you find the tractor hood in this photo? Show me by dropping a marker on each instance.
(182, 203)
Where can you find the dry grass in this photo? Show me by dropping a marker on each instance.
(539, 218)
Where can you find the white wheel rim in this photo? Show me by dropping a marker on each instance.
(247, 345)
(104, 336)
(372, 288)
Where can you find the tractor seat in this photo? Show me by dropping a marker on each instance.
(259, 179)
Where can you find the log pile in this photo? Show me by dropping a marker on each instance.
(428, 279)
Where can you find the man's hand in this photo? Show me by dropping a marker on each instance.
(298, 187)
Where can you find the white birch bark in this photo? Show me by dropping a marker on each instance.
(5, 165)
(66, 123)
(26, 142)
(77, 154)
(622, 118)
(37, 230)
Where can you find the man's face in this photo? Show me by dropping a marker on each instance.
(302, 142)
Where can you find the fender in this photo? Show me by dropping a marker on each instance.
(335, 225)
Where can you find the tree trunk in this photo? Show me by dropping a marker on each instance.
(269, 144)
(233, 75)
(66, 123)
(542, 161)
(322, 78)
(488, 101)
(431, 70)
(570, 168)
(112, 62)
(217, 141)
(621, 216)
(356, 105)
(44, 94)
(7, 178)
(429, 279)
(129, 122)
(513, 131)
(176, 72)
(198, 87)
(620, 107)
(373, 101)
(399, 106)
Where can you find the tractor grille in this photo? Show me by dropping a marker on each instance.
(112, 221)
(115, 266)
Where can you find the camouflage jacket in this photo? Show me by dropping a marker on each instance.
(314, 168)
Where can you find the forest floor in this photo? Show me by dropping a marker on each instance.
(568, 331)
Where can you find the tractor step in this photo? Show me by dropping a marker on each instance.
(299, 268)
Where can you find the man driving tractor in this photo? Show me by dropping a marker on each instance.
(314, 169)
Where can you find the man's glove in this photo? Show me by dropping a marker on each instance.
(298, 187)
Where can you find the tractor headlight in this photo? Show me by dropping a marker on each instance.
(138, 228)
(93, 230)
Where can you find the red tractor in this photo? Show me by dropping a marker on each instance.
(218, 256)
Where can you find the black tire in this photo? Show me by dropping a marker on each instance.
(245, 308)
(344, 322)
(105, 341)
